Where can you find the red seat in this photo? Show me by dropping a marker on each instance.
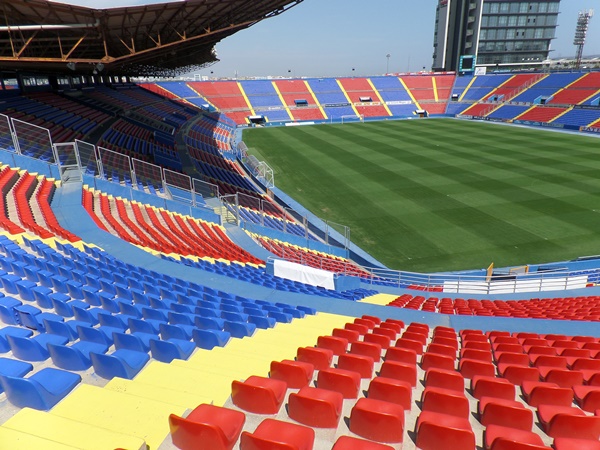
(207, 427)
(494, 432)
(399, 354)
(437, 431)
(430, 360)
(399, 371)
(376, 320)
(296, 374)
(441, 349)
(346, 382)
(367, 349)
(445, 401)
(477, 345)
(370, 324)
(320, 358)
(390, 333)
(350, 335)
(574, 426)
(447, 341)
(470, 368)
(361, 329)
(379, 339)
(258, 395)
(483, 386)
(391, 390)
(511, 359)
(518, 374)
(447, 379)
(315, 407)
(410, 344)
(336, 344)
(377, 420)
(358, 363)
(391, 326)
(575, 444)
(506, 443)
(546, 413)
(539, 392)
(351, 443)
(563, 377)
(478, 355)
(506, 413)
(550, 361)
(277, 435)
(415, 336)
(588, 397)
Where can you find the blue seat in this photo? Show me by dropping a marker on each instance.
(34, 349)
(107, 286)
(234, 316)
(168, 350)
(32, 317)
(41, 295)
(11, 331)
(157, 303)
(262, 322)
(24, 288)
(134, 311)
(14, 368)
(65, 329)
(42, 390)
(209, 323)
(65, 308)
(239, 329)
(100, 335)
(9, 283)
(207, 312)
(183, 332)
(8, 314)
(153, 314)
(295, 313)
(31, 273)
(144, 326)
(209, 339)
(75, 357)
(116, 321)
(122, 291)
(139, 297)
(75, 289)
(122, 363)
(281, 316)
(179, 308)
(231, 308)
(138, 342)
(59, 283)
(181, 318)
(87, 315)
(308, 310)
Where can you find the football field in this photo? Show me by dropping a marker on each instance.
(444, 194)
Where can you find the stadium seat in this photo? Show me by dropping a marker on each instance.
(359, 363)
(445, 401)
(42, 390)
(34, 349)
(399, 371)
(121, 363)
(352, 443)
(14, 368)
(315, 407)
(495, 432)
(506, 413)
(207, 427)
(296, 374)
(377, 420)
(447, 379)
(435, 431)
(391, 390)
(258, 394)
(273, 434)
(75, 357)
(320, 358)
(346, 382)
(170, 349)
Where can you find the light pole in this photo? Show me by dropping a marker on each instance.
(387, 70)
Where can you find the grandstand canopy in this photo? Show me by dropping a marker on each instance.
(159, 39)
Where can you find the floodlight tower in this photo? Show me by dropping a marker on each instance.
(583, 21)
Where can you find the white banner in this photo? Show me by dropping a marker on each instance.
(303, 274)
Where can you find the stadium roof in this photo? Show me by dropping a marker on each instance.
(158, 39)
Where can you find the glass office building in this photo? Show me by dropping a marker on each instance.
(503, 34)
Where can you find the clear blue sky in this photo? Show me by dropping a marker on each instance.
(331, 37)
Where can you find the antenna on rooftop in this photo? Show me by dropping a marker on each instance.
(583, 21)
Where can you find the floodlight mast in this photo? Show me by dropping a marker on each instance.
(583, 21)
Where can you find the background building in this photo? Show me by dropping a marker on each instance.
(499, 33)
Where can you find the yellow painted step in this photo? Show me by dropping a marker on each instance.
(198, 382)
(143, 418)
(11, 439)
(70, 432)
(161, 394)
(380, 299)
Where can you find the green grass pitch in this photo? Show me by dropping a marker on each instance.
(444, 194)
